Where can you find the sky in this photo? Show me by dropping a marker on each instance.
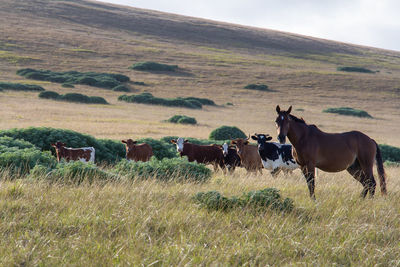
(373, 23)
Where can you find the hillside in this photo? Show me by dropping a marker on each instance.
(217, 61)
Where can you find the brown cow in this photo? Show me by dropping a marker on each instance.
(141, 152)
(250, 159)
(206, 154)
(84, 154)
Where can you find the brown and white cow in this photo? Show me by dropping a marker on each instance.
(84, 154)
(250, 159)
(141, 152)
(206, 154)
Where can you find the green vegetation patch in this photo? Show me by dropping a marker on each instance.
(268, 198)
(390, 153)
(355, 69)
(20, 87)
(178, 169)
(74, 172)
(19, 156)
(107, 151)
(148, 98)
(102, 80)
(226, 133)
(348, 112)
(259, 87)
(121, 88)
(182, 119)
(67, 85)
(73, 97)
(153, 66)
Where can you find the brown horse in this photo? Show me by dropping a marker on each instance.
(331, 152)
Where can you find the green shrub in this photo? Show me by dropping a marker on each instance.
(73, 97)
(178, 169)
(67, 85)
(153, 66)
(107, 151)
(259, 87)
(102, 80)
(7, 143)
(167, 139)
(348, 112)
(21, 161)
(268, 198)
(355, 69)
(182, 119)
(139, 83)
(121, 88)
(147, 98)
(49, 95)
(226, 133)
(203, 101)
(74, 172)
(20, 87)
(390, 153)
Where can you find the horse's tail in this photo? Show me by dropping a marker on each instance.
(381, 170)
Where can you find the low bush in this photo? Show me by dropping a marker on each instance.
(121, 88)
(74, 172)
(160, 148)
(182, 119)
(268, 198)
(178, 169)
(153, 66)
(167, 139)
(67, 85)
(226, 133)
(102, 80)
(355, 69)
(390, 153)
(73, 97)
(21, 161)
(20, 87)
(348, 112)
(259, 87)
(107, 151)
(148, 98)
(7, 143)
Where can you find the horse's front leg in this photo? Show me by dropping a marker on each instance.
(309, 174)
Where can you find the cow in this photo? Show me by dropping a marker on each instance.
(84, 154)
(274, 156)
(206, 154)
(142, 152)
(231, 157)
(250, 159)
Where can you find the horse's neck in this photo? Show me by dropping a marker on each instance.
(297, 132)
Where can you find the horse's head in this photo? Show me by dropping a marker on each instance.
(282, 123)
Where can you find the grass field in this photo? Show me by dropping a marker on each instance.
(155, 223)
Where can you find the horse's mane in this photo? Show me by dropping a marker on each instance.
(297, 119)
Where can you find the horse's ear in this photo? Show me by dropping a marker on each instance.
(173, 141)
(290, 109)
(278, 109)
(254, 137)
(268, 138)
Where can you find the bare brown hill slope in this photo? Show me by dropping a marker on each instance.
(217, 61)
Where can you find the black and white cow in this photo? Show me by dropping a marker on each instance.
(274, 156)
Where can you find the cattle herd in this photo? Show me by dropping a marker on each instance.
(239, 153)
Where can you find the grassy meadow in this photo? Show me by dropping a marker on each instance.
(153, 223)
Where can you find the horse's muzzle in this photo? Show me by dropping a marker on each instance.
(282, 139)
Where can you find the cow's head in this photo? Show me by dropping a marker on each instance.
(179, 143)
(282, 123)
(240, 143)
(130, 144)
(225, 148)
(261, 140)
(58, 145)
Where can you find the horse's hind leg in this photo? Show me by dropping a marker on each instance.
(366, 178)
